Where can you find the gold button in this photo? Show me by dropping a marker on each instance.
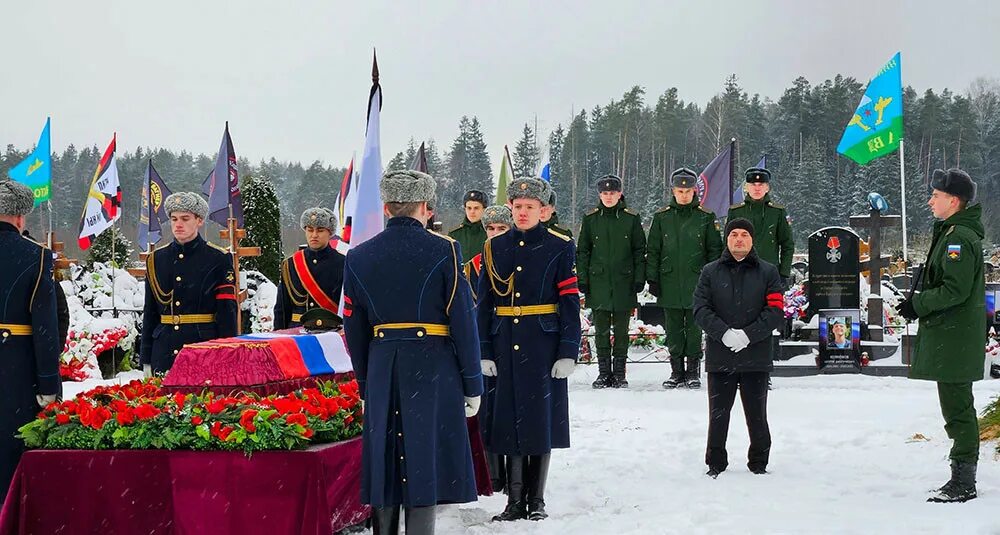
(382, 335)
(312, 304)
(181, 256)
(6, 334)
(399, 434)
(314, 260)
(397, 413)
(178, 279)
(177, 327)
(516, 347)
(518, 268)
(177, 303)
(516, 321)
(420, 334)
(175, 352)
(400, 457)
(521, 243)
(517, 294)
(404, 480)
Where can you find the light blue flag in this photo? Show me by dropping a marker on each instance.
(35, 171)
(876, 127)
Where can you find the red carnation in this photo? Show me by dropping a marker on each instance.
(308, 433)
(297, 418)
(179, 399)
(146, 411)
(196, 420)
(125, 417)
(246, 420)
(62, 418)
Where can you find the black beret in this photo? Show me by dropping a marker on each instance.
(956, 182)
(683, 178)
(609, 183)
(758, 175)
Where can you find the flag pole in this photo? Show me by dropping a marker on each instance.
(732, 168)
(902, 189)
(114, 304)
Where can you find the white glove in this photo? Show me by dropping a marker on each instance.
(744, 340)
(44, 399)
(731, 339)
(147, 370)
(472, 406)
(489, 368)
(563, 368)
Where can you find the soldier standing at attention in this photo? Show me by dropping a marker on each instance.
(683, 237)
(29, 336)
(313, 276)
(611, 266)
(470, 234)
(410, 326)
(529, 317)
(190, 288)
(773, 238)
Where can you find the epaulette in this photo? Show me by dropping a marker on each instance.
(216, 247)
(663, 210)
(594, 211)
(950, 230)
(439, 235)
(42, 245)
(631, 211)
(706, 210)
(740, 205)
(460, 227)
(775, 205)
(561, 236)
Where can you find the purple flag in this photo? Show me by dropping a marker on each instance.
(419, 162)
(152, 215)
(715, 183)
(222, 185)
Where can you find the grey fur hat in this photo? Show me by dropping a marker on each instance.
(186, 201)
(318, 218)
(529, 188)
(497, 214)
(407, 186)
(15, 198)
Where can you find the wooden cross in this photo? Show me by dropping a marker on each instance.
(875, 222)
(234, 235)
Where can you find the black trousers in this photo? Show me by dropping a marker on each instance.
(722, 389)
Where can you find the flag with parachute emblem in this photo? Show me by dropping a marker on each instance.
(35, 171)
(104, 199)
(876, 127)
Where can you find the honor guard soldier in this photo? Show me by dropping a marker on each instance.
(470, 234)
(549, 216)
(773, 238)
(410, 326)
(312, 277)
(683, 237)
(190, 288)
(29, 337)
(951, 307)
(611, 264)
(529, 320)
(496, 220)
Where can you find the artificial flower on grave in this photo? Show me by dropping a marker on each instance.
(795, 303)
(79, 356)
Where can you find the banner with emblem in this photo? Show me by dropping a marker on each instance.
(35, 171)
(104, 198)
(151, 213)
(716, 181)
(876, 127)
(222, 185)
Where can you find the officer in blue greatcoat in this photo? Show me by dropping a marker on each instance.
(313, 276)
(190, 288)
(529, 320)
(411, 330)
(29, 334)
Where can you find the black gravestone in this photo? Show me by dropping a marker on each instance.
(834, 270)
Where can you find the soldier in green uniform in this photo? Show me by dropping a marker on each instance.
(682, 239)
(951, 307)
(470, 234)
(773, 239)
(550, 219)
(611, 267)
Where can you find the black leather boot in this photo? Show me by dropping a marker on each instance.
(618, 379)
(961, 487)
(693, 375)
(537, 474)
(420, 520)
(604, 377)
(676, 373)
(498, 472)
(385, 520)
(515, 509)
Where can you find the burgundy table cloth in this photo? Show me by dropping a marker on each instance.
(153, 492)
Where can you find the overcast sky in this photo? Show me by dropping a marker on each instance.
(293, 77)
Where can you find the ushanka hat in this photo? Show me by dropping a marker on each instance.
(186, 201)
(956, 182)
(318, 218)
(407, 186)
(15, 198)
(529, 188)
(497, 215)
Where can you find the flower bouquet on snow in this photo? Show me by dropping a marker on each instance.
(79, 356)
(139, 415)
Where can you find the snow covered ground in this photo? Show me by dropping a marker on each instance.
(842, 462)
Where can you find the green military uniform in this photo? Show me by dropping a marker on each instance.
(773, 238)
(951, 307)
(471, 236)
(682, 239)
(610, 265)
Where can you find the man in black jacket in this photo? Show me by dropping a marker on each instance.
(738, 302)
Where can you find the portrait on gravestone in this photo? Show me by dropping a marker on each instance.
(840, 338)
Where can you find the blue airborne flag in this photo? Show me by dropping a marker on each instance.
(876, 127)
(35, 171)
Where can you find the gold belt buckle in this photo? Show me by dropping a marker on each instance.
(517, 311)
(177, 319)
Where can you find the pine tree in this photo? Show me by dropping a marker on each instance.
(525, 157)
(262, 219)
(100, 250)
